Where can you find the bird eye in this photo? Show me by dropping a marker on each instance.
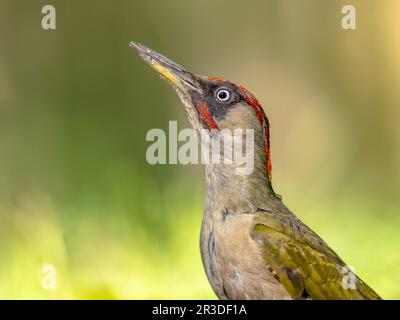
(223, 95)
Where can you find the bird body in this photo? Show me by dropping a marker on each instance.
(252, 245)
(270, 254)
(239, 273)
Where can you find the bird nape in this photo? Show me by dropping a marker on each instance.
(252, 245)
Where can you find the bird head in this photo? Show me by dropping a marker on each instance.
(213, 103)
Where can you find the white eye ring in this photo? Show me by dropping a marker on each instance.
(223, 95)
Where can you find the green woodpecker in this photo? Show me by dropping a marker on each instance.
(252, 245)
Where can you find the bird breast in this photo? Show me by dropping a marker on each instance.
(233, 260)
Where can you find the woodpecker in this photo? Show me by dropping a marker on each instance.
(252, 245)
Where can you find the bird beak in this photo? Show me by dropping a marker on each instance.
(168, 69)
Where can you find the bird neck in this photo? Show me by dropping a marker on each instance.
(227, 190)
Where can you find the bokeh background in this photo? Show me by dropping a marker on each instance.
(76, 103)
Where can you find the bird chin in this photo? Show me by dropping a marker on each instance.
(191, 110)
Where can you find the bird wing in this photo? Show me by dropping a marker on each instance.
(303, 262)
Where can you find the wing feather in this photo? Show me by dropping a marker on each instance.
(302, 261)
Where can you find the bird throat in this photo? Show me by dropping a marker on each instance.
(226, 189)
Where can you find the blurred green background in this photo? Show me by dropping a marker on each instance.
(76, 103)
